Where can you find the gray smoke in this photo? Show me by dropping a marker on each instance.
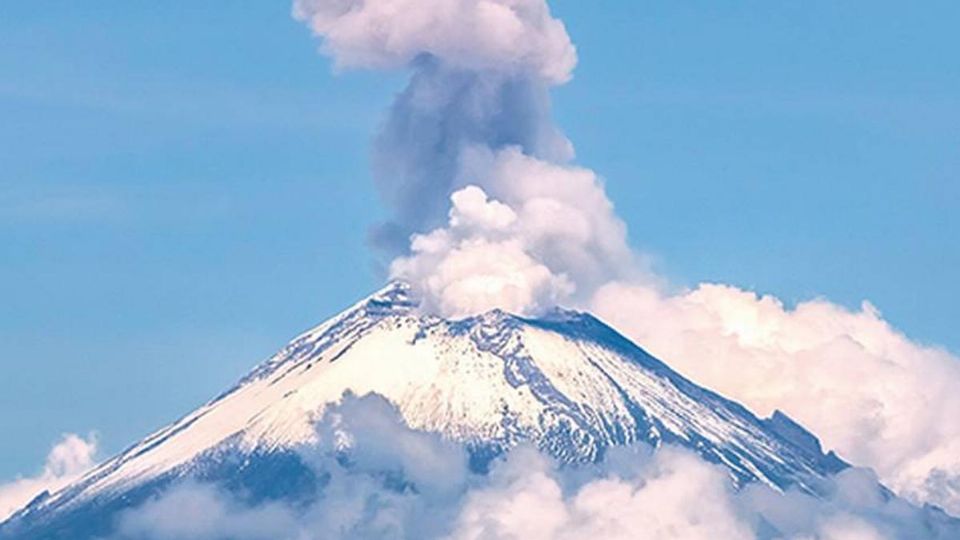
(481, 72)
(442, 112)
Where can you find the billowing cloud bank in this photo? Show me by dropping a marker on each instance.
(388, 481)
(479, 180)
(864, 388)
(67, 460)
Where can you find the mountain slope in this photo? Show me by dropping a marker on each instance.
(565, 382)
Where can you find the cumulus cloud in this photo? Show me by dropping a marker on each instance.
(389, 481)
(381, 480)
(478, 263)
(550, 237)
(672, 495)
(372, 432)
(192, 511)
(66, 462)
(504, 36)
(864, 388)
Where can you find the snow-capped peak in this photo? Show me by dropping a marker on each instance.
(565, 382)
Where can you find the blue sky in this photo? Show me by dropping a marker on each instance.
(184, 187)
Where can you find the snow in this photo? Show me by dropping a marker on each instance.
(567, 383)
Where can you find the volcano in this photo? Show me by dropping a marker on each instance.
(565, 382)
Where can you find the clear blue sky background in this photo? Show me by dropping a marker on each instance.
(184, 185)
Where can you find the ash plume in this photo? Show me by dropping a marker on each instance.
(472, 134)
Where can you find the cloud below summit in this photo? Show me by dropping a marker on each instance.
(536, 235)
(67, 460)
(368, 453)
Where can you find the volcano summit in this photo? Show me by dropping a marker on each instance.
(564, 382)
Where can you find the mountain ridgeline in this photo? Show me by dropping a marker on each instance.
(564, 382)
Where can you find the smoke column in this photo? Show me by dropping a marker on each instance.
(486, 210)
(480, 75)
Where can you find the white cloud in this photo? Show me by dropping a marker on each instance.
(193, 511)
(389, 481)
(878, 398)
(551, 237)
(512, 36)
(479, 263)
(674, 495)
(372, 432)
(66, 462)
(563, 211)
